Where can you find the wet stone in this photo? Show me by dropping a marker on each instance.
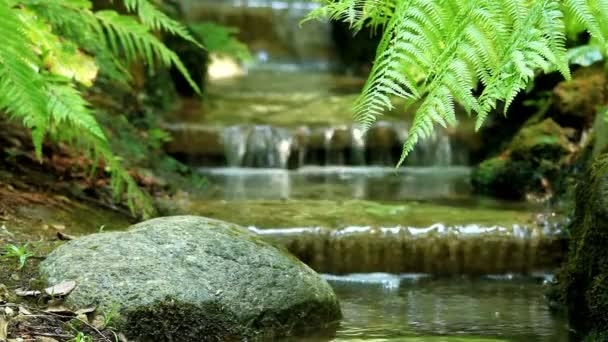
(182, 277)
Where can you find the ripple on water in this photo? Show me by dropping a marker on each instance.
(418, 307)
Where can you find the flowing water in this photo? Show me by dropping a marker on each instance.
(412, 254)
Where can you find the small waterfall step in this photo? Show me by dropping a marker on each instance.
(438, 249)
(266, 146)
(359, 236)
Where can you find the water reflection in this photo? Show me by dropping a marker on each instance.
(386, 306)
(373, 183)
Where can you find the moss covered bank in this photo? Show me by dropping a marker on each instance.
(582, 284)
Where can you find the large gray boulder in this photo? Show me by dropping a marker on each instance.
(188, 278)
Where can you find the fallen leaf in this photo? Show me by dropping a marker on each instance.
(24, 311)
(65, 237)
(83, 318)
(99, 322)
(60, 310)
(3, 291)
(86, 310)
(122, 338)
(61, 289)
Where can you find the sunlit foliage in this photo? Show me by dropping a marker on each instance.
(54, 49)
(476, 53)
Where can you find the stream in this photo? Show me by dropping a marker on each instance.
(413, 307)
(412, 253)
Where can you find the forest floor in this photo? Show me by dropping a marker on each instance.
(43, 203)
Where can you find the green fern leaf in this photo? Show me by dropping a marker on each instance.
(126, 35)
(155, 19)
(458, 45)
(21, 87)
(68, 108)
(73, 119)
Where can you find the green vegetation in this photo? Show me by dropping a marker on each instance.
(108, 317)
(55, 49)
(582, 282)
(82, 337)
(474, 53)
(220, 39)
(538, 153)
(21, 254)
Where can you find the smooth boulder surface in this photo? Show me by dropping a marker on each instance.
(189, 278)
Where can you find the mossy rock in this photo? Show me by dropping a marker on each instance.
(576, 101)
(544, 140)
(534, 157)
(582, 282)
(183, 278)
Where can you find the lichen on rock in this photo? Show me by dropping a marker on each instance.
(182, 278)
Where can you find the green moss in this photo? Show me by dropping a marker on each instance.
(576, 101)
(532, 162)
(184, 322)
(582, 282)
(490, 177)
(180, 322)
(545, 140)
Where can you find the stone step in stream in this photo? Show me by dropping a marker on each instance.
(438, 249)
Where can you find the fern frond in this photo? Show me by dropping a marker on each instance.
(32, 60)
(460, 44)
(358, 13)
(126, 35)
(21, 87)
(67, 107)
(65, 14)
(589, 14)
(74, 120)
(155, 19)
(75, 21)
(535, 44)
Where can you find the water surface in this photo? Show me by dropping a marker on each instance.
(411, 307)
(339, 183)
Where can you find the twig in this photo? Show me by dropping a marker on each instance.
(70, 317)
(51, 335)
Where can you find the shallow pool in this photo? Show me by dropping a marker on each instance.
(385, 307)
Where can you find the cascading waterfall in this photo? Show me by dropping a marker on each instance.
(233, 139)
(357, 145)
(330, 153)
(270, 147)
(271, 30)
(257, 146)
